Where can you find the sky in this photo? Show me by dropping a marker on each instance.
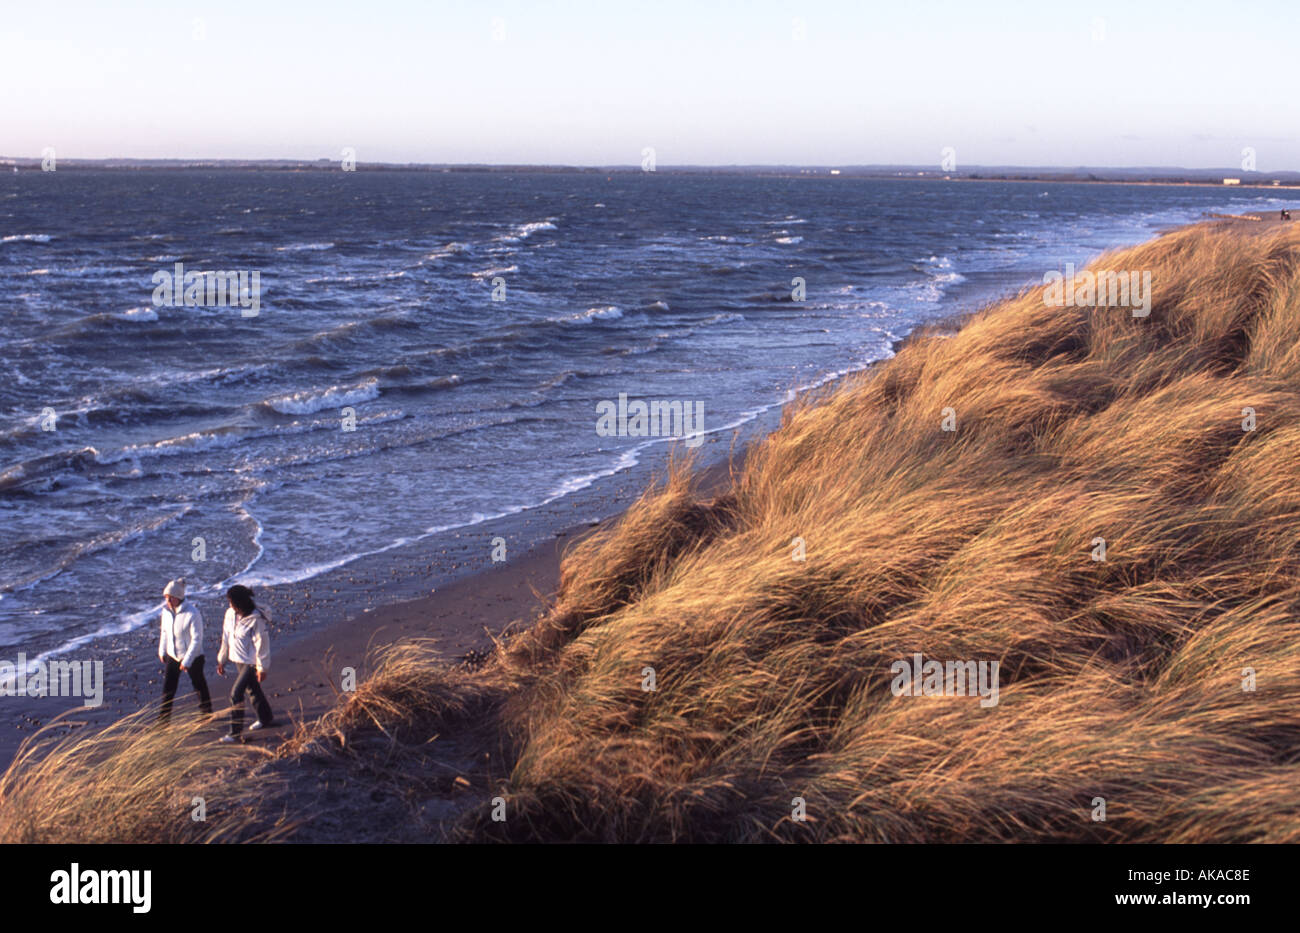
(702, 82)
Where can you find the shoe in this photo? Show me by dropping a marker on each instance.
(257, 725)
(227, 739)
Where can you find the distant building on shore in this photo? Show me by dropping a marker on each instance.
(1232, 181)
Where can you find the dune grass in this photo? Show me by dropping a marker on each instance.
(131, 782)
(1120, 678)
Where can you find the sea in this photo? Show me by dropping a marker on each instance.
(418, 384)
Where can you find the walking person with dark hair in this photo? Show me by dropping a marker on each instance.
(180, 648)
(244, 642)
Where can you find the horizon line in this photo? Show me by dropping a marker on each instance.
(926, 168)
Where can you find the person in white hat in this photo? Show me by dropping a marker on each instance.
(180, 648)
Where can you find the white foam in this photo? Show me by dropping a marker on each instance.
(314, 400)
(185, 444)
(492, 273)
(603, 313)
(450, 249)
(725, 318)
(298, 247)
(523, 231)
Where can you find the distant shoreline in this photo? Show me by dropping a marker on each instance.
(1083, 175)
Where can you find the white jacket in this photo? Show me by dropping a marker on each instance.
(244, 640)
(181, 637)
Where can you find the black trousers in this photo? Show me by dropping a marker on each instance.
(246, 682)
(172, 679)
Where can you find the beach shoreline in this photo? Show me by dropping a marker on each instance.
(463, 613)
(647, 596)
(463, 600)
(452, 592)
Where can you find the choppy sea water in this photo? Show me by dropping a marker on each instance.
(199, 431)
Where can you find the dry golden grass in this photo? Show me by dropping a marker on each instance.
(1120, 679)
(411, 695)
(130, 782)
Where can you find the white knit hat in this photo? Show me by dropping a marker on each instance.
(175, 588)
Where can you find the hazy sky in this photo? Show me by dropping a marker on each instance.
(1187, 83)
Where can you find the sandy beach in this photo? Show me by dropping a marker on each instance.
(315, 637)
(719, 650)
(463, 616)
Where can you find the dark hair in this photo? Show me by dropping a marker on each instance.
(241, 597)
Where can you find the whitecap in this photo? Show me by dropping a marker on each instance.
(314, 400)
(298, 247)
(523, 231)
(491, 273)
(450, 249)
(601, 313)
